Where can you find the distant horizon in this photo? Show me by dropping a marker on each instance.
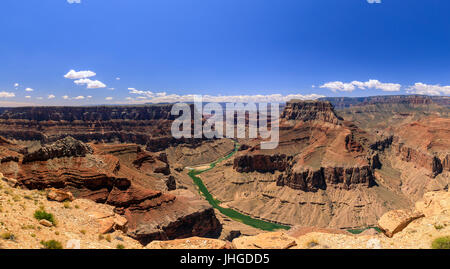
(166, 103)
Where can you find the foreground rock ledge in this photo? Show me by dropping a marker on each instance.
(395, 221)
(410, 230)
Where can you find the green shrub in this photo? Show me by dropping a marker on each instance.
(120, 246)
(67, 204)
(441, 243)
(41, 214)
(7, 236)
(52, 244)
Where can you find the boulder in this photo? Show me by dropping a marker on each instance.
(395, 221)
(171, 183)
(112, 223)
(106, 225)
(120, 223)
(45, 223)
(59, 195)
(273, 240)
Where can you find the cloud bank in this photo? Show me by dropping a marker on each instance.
(162, 97)
(422, 88)
(4, 94)
(370, 84)
(72, 74)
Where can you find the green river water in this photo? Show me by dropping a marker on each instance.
(257, 223)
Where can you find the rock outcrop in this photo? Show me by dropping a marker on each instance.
(126, 177)
(339, 177)
(309, 111)
(317, 122)
(260, 163)
(66, 147)
(59, 195)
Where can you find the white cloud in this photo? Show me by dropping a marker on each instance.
(339, 86)
(29, 90)
(370, 84)
(82, 77)
(117, 78)
(91, 84)
(108, 98)
(422, 88)
(74, 1)
(88, 97)
(16, 85)
(39, 98)
(374, 1)
(79, 97)
(65, 97)
(72, 74)
(112, 89)
(139, 92)
(51, 96)
(162, 97)
(28, 97)
(4, 94)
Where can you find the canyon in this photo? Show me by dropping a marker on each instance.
(341, 164)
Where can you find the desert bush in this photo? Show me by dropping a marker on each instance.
(42, 214)
(67, 204)
(441, 243)
(7, 236)
(52, 244)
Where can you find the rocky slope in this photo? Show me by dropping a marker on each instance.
(78, 222)
(135, 182)
(414, 230)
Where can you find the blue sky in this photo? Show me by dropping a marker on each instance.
(166, 50)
